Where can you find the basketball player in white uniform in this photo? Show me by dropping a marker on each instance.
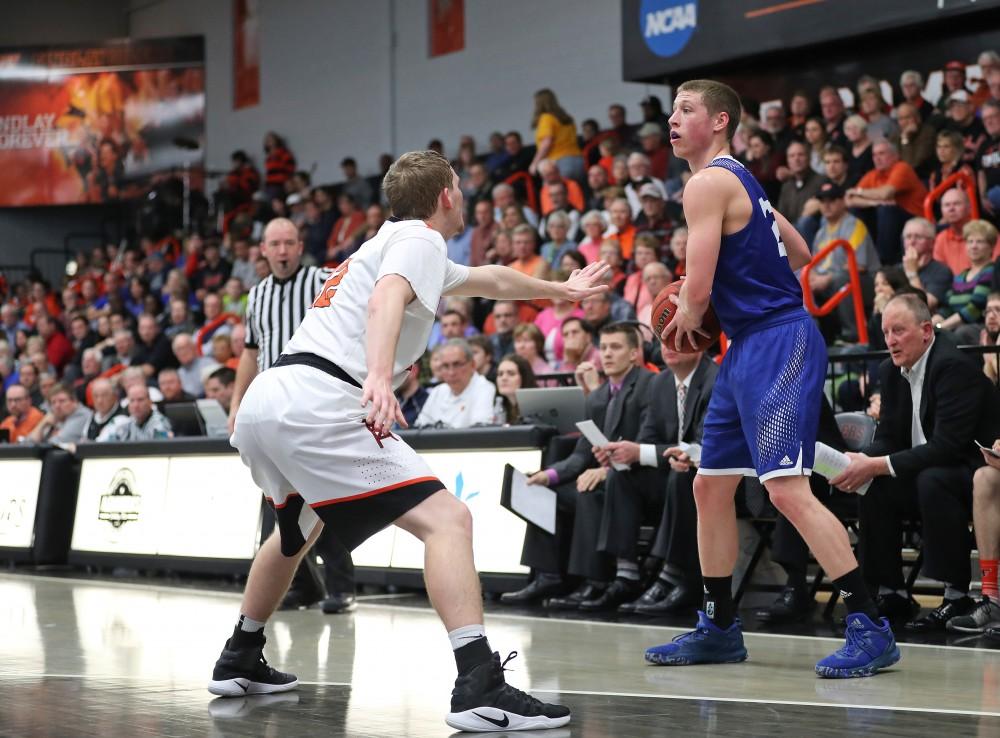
(315, 432)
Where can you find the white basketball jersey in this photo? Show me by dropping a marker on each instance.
(335, 325)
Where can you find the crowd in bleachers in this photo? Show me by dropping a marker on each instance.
(133, 330)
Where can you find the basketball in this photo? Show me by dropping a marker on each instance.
(663, 312)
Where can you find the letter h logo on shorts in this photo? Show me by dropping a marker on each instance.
(379, 436)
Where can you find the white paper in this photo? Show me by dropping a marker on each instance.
(593, 434)
(533, 501)
(691, 449)
(989, 450)
(830, 462)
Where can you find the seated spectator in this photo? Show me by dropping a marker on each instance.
(578, 481)
(212, 273)
(242, 263)
(873, 107)
(597, 180)
(923, 271)
(452, 324)
(482, 357)
(529, 344)
(505, 317)
(949, 244)
(912, 85)
(526, 257)
(192, 368)
(776, 123)
(860, 153)
(598, 310)
(651, 140)
(356, 186)
(962, 118)
(916, 140)
(611, 254)
(518, 159)
(559, 202)
(513, 373)
(219, 386)
(990, 336)
(138, 289)
(558, 225)
(179, 320)
(23, 415)
(655, 277)
(886, 198)
(832, 273)
(593, 226)
(963, 306)
(485, 229)
(571, 261)
(922, 458)
(621, 228)
(58, 349)
(988, 157)
(465, 398)
(411, 395)
(134, 375)
(658, 486)
(511, 218)
(800, 183)
(550, 174)
(814, 135)
(144, 423)
(90, 369)
(653, 217)
(66, 421)
(340, 244)
(152, 352)
(107, 410)
(549, 321)
(578, 345)
(647, 251)
(949, 150)
(638, 166)
(234, 298)
(222, 350)
(624, 132)
(503, 198)
(169, 383)
(123, 352)
(216, 322)
(763, 161)
(10, 324)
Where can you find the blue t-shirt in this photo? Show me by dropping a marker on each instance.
(754, 285)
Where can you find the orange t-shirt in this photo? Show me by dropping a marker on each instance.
(910, 191)
(573, 194)
(20, 430)
(532, 266)
(625, 240)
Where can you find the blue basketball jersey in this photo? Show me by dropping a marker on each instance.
(754, 285)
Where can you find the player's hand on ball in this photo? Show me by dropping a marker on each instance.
(685, 324)
(385, 408)
(586, 281)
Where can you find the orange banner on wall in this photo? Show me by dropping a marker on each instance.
(246, 54)
(447, 26)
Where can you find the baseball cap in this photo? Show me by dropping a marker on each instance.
(650, 129)
(651, 189)
(955, 66)
(958, 96)
(830, 190)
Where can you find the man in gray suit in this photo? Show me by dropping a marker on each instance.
(618, 408)
(658, 487)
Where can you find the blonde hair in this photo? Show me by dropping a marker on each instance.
(717, 98)
(980, 228)
(414, 183)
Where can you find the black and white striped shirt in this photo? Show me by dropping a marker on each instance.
(275, 307)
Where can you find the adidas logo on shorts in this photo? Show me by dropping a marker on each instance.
(785, 461)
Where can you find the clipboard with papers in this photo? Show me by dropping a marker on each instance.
(533, 503)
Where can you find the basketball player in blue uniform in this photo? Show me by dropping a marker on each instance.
(764, 411)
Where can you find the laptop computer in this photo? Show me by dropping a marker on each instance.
(215, 418)
(185, 420)
(562, 407)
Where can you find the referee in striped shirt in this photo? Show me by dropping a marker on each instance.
(275, 308)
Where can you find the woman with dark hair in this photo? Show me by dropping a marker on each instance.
(513, 373)
(815, 136)
(555, 137)
(279, 166)
(889, 280)
(572, 260)
(135, 303)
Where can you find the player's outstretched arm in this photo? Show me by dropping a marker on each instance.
(503, 283)
(385, 319)
(795, 246)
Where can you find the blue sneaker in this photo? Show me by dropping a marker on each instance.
(706, 644)
(869, 648)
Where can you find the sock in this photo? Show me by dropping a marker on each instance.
(988, 567)
(248, 631)
(627, 569)
(470, 647)
(855, 593)
(718, 605)
(669, 577)
(952, 593)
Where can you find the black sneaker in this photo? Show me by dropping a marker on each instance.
(483, 702)
(243, 671)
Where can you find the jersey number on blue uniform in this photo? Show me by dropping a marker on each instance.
(768, 210)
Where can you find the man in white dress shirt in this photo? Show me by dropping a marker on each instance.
(465, 398)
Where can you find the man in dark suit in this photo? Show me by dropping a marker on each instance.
(658, 487)
(618, 408)
(935, 403)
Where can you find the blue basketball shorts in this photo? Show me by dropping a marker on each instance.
(764, 412)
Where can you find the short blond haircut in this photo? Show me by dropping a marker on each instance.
(414, 183)
(980, 228)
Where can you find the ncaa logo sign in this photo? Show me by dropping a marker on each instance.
(667, 25)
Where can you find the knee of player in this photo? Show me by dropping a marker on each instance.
(789, 495)
(459, 518)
